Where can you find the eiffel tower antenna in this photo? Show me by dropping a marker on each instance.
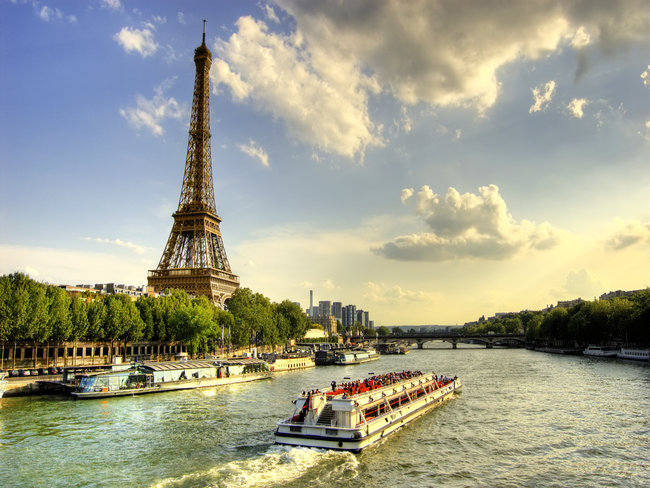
(195, 258)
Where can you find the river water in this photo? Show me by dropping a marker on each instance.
(523, 419)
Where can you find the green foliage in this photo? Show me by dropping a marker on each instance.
(383, 331)
(619, 320)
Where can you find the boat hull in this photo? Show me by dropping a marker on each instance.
(366, 434)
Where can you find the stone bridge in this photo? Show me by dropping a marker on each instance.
(488, 339)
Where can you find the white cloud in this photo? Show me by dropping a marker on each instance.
(119, 242)
(48, 14)
(181, 18)
(450, 53)
(542, 97)
(645, 76)
(581, 284)
(320, 78)
(279, 76)
(270, 14)
(467, 226)
(576, 106)
(581, 38)
(395, 294)
(139, 40)
(255, 151)
(328, 284)
(112, 4)
(406, 194)
(629, 234)
(151, 113)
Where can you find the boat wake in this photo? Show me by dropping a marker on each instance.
(278, 466)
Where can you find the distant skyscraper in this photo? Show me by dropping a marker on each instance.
(349, 315)
(324, 309)
(311, 302)
(337, 310)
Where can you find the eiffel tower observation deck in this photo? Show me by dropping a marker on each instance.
(195, 258)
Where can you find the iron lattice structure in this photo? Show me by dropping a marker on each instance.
(195, 258)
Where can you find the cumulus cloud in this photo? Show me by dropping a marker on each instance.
(181, 18)
(467, 226)
(138, 40)
(629, 234)
(449, 53)
(406, 194)
(576, 106)
(151, 113)
(319, 78)
(280, 77)
(255, 151)
(542, 96)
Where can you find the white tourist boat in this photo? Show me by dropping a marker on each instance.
(355, 356)
(156, 377)
(353, 416)
(600, 351)
(637, 354)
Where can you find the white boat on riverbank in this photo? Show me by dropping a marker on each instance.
(355, 356)
(636, 354)
(3, 384)
(156, 377)
(356, 415)
(603, 352)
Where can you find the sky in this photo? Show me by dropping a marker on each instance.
(427, 161)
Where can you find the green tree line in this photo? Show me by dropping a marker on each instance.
(624, 320)
(46, 314)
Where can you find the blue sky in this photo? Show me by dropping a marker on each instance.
(428, 161)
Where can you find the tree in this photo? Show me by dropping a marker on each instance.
(38, 330)
(5, 315)
(554, 326)
(18, 309)
(290, 320)
(114, 320)
(133, 326)
(59, 315)
(383, 331)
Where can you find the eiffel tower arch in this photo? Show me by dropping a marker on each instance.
(195, 258)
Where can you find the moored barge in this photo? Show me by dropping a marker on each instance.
(353, 416)
(157, 377)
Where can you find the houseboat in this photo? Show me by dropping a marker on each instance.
(291, 361)
(355, 356)
(353, 416)
(393, 348)
(155, 377)
(600, 351)
(637, 354)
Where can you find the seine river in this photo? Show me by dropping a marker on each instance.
(523, 419)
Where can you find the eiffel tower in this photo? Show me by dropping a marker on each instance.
(194, 258)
